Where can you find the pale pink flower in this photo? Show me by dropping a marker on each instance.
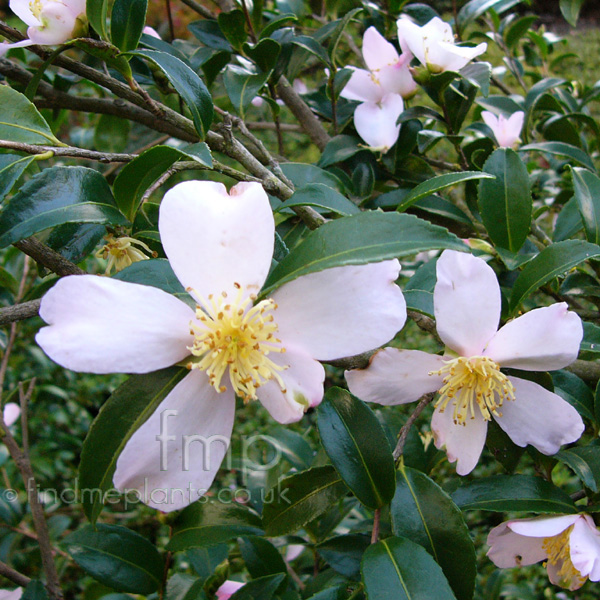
(433, 45)
(151, 32)
(228, 588)
(11, 594)
(506, 131)
(472, 389)
(220, 246)
(51, 22)
(569, 543)
(11, 413)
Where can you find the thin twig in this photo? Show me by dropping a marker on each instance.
(376, 525)
(13, 575)
(423, 402)
(19, 312)
(47, 257)
(201, 10)
(72, 151)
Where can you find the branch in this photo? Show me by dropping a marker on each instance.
(72, 151)
(47, 257)
(19, 312)
(13, 575)
(201, 10)
(587, 370)
(423, 402)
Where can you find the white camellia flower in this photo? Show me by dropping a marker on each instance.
(506, 131)
(433, 45)
(50, 22)
(380, 89)
(220, 247)
(11, 413)
(569, 543)
(472, 388)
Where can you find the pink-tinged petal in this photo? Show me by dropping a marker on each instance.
(555, 577)
(11, 594)
(102, 325)
(397, 79)
(377, 51)
(293, 551)
(228, 588)
(22, 8)
(515, 122)
(396, 376)
(410, 37)
(172, 459)
(509, 549)
(584, 542)
(376, 122)
(464, 443)
(362, 87)
(303, 379)
(539, 417)
(213, 238)
(11, 413)
(490, 119)
(341, 311)
(58, 26)
(446, 56)
(466, 301)
(544, 339)
(5, 47)
(151, 32)
(542, 527)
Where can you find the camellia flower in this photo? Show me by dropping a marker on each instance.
(220, 247)
(11, 413)
(228, 588)
(11, 594)
(472, 388)
(433, 45)
(506, 131)
(121, 252)
(569, 543)
(50, 22)
(380, 89)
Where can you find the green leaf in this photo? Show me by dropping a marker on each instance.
(243, 86)
(424, 513)
(314, 47)
(11, 511)
(475, 8)
(35, 590)
(58, 195)
(575, 391)
(591, 338)
(128, 18)
(570, 10)
(322, 196)
(233, 26)
(293, 447)
(209, 33)
(264, 54)
(12, 167)
(360, 239)
(561, 149)
(130, 405)
(262, 588)
(505, 202)
(261, 557)
(585, 462)
(277, 23)
(302, 174)
(188, 85)
(155, 272)
(568, 222)
(552, 261)
(97, 11)
(117, 557)
(339, 149)
(534, 95)
(587, 195)
(111, 134)
(300, 498)
(357, 446)
(504, 493)
(435, 184)
(344, 553)
(400, 569)
(209, 523)
(21, 122)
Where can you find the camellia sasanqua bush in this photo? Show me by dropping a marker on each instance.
(300, 301)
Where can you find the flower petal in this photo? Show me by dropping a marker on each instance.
(396, 376)
(172, 459)
(102, 325)
(341, 311)
(446, 56)
(466, 301)
(411, 38)
(377, 51)
(362, 87)
(228, 588)
(585, 548)
(58, 25)
(22, 8)
(544, 339)
(376, 122)
(5, 47)
(509, 549)
(464, 443)
(11, 413)
(213, 238)
(539, 417)
(542, 527)
(397, 79)
(303, 379)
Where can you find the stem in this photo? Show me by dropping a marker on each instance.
(376, 526)
(13, 575)
(423, 402)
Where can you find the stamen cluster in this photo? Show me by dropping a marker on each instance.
(558, 548)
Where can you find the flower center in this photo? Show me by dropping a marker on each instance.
(235, 336)
(121, 252)
(559, 554)
(35, 6)
(473, 381)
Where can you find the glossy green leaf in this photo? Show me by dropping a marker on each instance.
(422, 512)
(293, 447)
(58, 195)
(11, 511)
(209, 523)
(575, 391)
(311, 45)
(591, 338)
(209, 33)
(504, 493)
(587, 196)
(242, 86)
(585, 462)
(188, 85)
(206, 559)
(400, 569)
(357, 446)
(475, 8)
(277, 23)
(570, 10)
(321, 196)
(435, 184)
(128, 18)
(568, 222)
(505, 202)
(261, 557)
(35, 590)
(12, 167)
(233, 26)
(552, 261)
(359, 239)
(534, 95)
(97, 12)
(561, 149)
(20, 120)
(130, 405)
(263, 588)
(264, 54)
(155, 272)
(344, 553)
(117, 557)
(300, 498)
(339, 149)
(301, 174)
(76, 241)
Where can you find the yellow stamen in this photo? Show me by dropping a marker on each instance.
(559, 555)
(121, 252)
(473, 381)
(235, 336)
